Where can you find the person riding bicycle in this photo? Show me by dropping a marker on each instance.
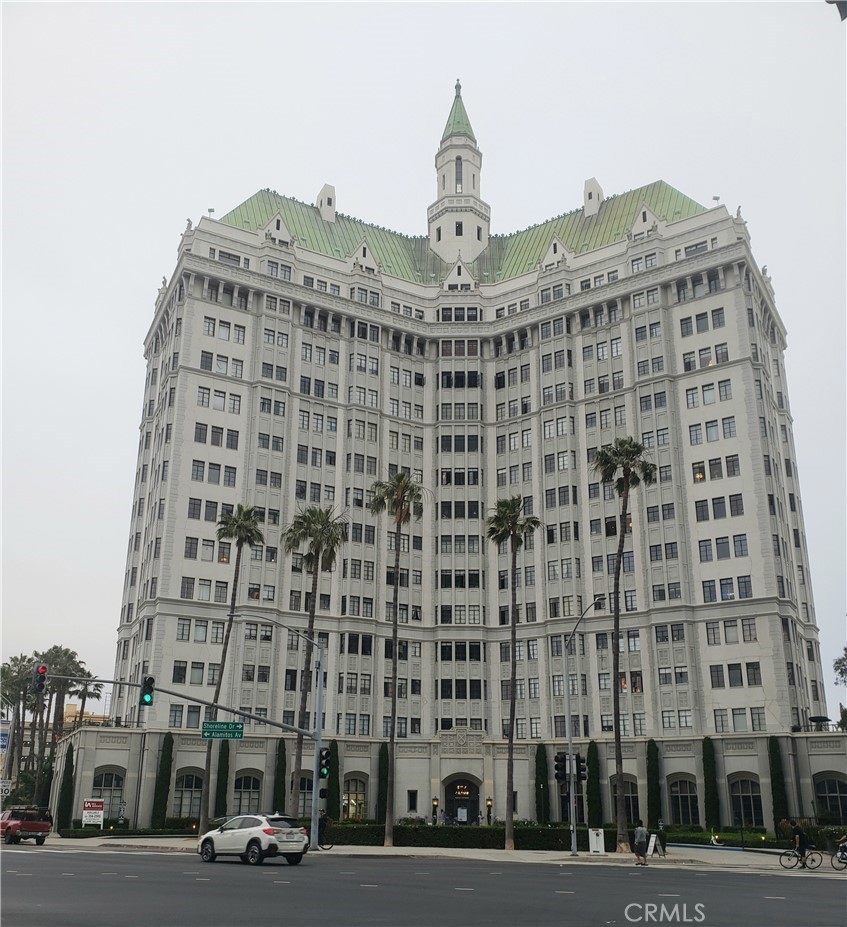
(799, 841)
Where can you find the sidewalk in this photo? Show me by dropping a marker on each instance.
(722, 857)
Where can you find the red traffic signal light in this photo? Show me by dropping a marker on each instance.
(561, 766)
(39, 678)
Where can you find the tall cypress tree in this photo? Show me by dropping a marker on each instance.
(223, 779)
(711, 802)
(542, 786)
(64, 812)
(333, 784)
(163, 782)
(280, 789)
(654, 801)
(778, 793)
(382, 787)
(592, 787)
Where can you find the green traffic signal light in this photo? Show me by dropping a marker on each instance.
(323, 763)
(148, 687)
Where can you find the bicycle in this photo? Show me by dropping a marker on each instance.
(790, 858)
(838, 860)
(324, 842)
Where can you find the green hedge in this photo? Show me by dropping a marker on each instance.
(481, 838)
(81, 833)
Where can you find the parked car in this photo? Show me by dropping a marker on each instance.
(25, 823)
(255, 837)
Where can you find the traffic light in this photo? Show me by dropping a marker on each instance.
(323, 763)
(148, 688)
(39, 678)
(581, 770)
(561, 766)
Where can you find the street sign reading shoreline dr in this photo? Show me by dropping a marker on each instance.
(223, 730)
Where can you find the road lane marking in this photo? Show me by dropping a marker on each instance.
(276, 882)
(368, 885)
(24, 873)
(203, 880)
(131, 877)
(421, 873)
(669, 896)
(108, 873)
(67, 873)
(347, 872)
(565, 893)
(464, 889)
(775, 897)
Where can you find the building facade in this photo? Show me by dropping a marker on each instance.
(297, 354)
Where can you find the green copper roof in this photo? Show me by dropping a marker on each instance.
(458, 122)
(507, 256)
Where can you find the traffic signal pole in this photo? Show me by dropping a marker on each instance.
(569, 723)
(317, 737)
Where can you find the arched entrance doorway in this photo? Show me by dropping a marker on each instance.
(461, 802)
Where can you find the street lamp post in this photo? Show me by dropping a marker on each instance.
(569, 725)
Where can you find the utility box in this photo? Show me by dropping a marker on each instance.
(596, 842)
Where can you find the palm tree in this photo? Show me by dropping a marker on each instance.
(508, 523)
(62, 662)
(15, 681)
(242, 527)
(323, 533)
(402, 498)
(622, 461)
(87, 689)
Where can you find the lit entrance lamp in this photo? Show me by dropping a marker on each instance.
(488, 804)
(435, 811)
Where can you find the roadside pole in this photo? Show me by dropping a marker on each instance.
(318, 739)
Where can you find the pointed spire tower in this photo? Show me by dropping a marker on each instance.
(459, 221)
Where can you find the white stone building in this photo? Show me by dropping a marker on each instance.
(297, 354)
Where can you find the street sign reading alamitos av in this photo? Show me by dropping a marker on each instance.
(223, 730)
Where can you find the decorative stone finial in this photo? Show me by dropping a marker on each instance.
(458, 88)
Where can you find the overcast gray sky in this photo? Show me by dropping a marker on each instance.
(122, 120)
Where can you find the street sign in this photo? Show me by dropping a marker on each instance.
(4, 741)
(5, 787)
(223, 730)
(92, 811)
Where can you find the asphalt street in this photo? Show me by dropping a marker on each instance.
(105, 888)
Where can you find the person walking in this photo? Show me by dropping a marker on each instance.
(641, 838)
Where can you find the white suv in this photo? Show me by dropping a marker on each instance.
(254, 837)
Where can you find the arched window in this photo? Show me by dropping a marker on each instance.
(630, 798)
(187, 791)
(110, 787)
(566, 804)
(746, 800)
(831, 800)
(305, 806)
(246, 797)
(458, 175)
(683, 802)
(354, 804)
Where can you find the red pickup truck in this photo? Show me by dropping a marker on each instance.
(18, 824)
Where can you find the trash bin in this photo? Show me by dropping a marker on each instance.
(596, 843)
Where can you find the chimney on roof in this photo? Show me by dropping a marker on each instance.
(592, 196)
(326, 203)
